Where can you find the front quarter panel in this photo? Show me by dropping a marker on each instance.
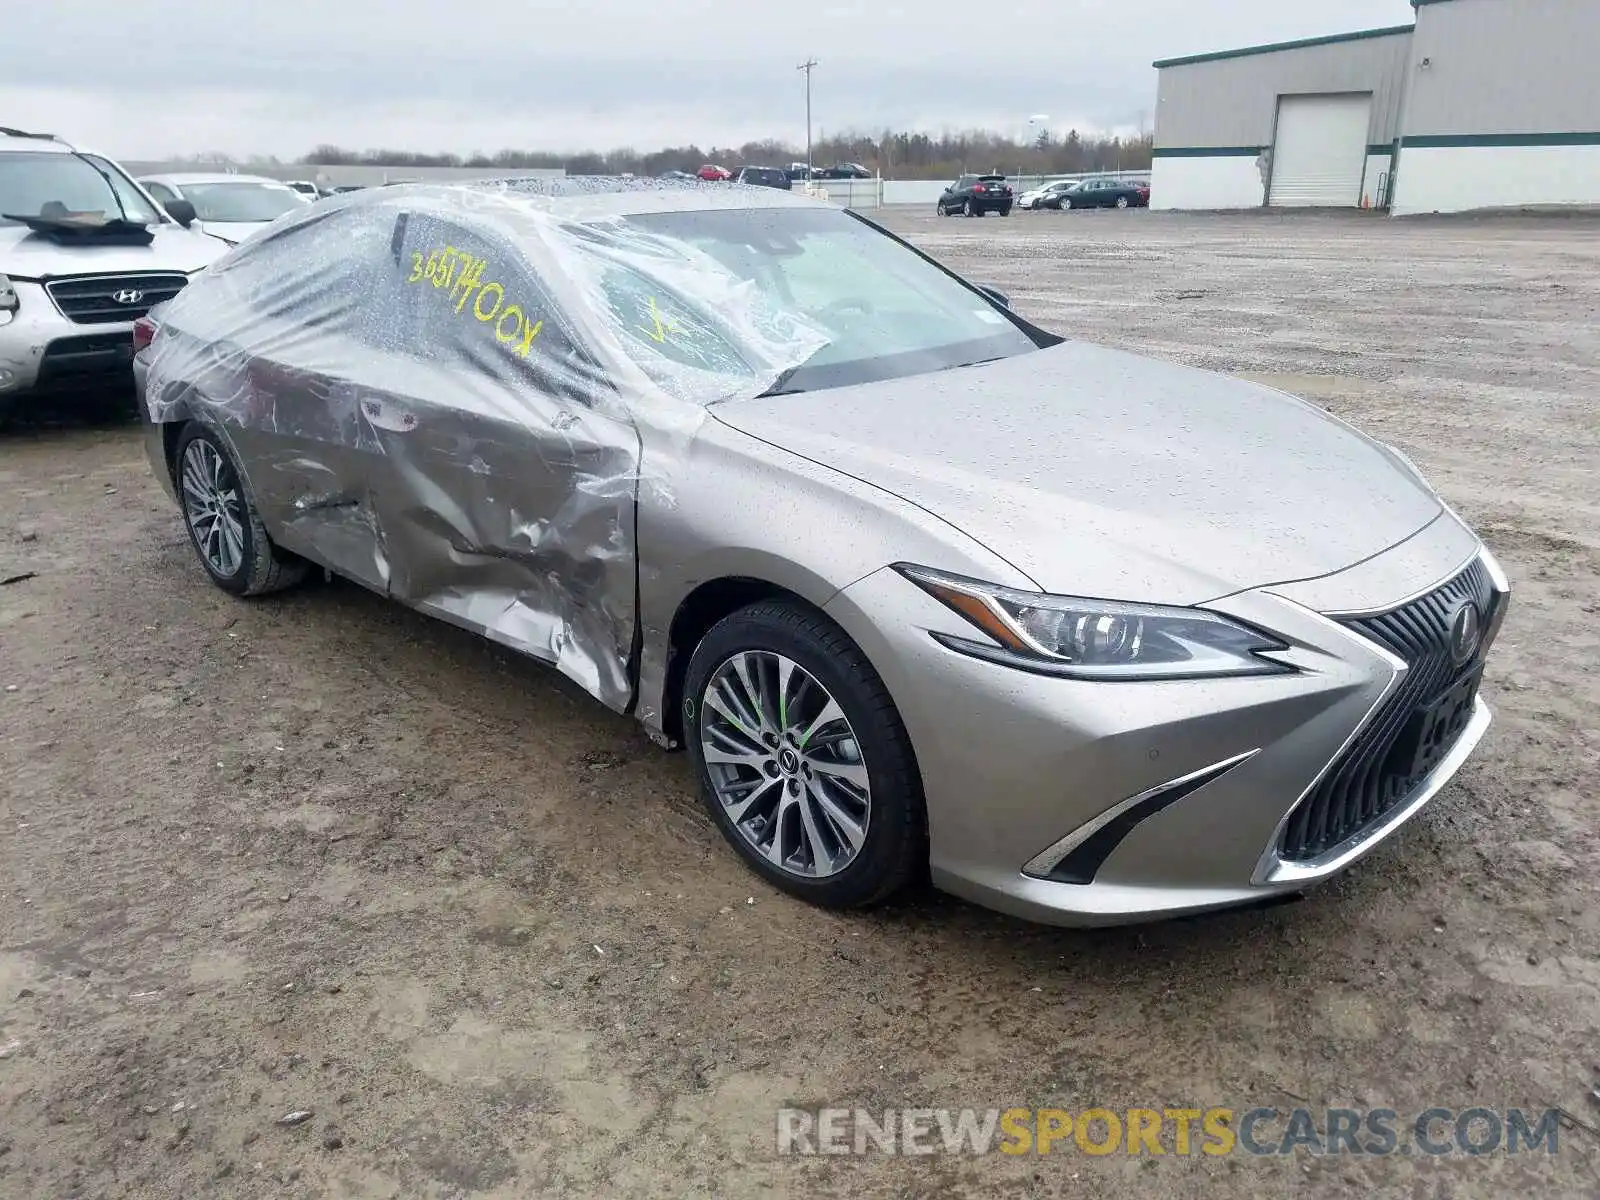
(740, 508)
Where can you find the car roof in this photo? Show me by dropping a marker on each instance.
(34, 143)
(587, 197)
(182, 177)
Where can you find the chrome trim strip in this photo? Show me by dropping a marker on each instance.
(1047, 860)
(1342, 855)
(1358, 614)
(1398, 670)
(1502, 593)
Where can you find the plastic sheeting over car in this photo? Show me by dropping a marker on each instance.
(443, 392)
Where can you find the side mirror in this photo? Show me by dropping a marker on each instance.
(995, 294)
(181, 211)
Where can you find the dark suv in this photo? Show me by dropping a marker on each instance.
(974, 195)
(773, 177)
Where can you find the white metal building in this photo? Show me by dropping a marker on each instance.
(1480, 104)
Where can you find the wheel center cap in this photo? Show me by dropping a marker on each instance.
(789, 762)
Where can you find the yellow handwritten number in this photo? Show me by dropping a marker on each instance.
(462, 274)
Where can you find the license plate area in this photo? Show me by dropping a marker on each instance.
(1434, 728)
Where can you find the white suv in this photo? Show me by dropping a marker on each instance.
(84, 252)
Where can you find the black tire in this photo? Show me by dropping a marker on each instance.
(262, 568)
(1122, 202)
(1005, 210)
(969, 209)
(894, 851)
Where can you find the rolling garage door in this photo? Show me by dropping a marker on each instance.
(1320, 153)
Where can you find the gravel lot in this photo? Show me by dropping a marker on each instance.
(318, 854)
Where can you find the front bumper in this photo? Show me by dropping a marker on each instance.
(42, 351)
(1177, 795)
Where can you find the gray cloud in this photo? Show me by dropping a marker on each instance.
(282, 75)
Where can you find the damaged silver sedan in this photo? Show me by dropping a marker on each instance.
(922, 587)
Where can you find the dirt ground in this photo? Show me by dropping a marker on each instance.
(318, 854)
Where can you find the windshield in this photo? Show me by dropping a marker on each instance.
(48, 184)
(883, 310)
(242, 201)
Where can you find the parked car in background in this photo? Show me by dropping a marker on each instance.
(713, 173)
(1104, 688)
(1048, 195)
(306, 188)
(676, 174)
(845, 171)
(1104, 193)
(228, 207)
(1144, 192)
(974, 195)
(773, 177)
(799, 172)
(84, 251)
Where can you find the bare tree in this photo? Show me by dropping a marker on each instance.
(896, 155)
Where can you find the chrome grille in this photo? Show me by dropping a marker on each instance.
(94, 299)
(1390, 757)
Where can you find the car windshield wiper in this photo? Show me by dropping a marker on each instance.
(122, 209)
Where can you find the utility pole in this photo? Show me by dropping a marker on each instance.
(806, 67)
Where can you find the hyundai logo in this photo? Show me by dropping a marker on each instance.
(127, 296)
(1466, 633)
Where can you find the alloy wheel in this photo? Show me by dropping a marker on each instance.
(784, 764)
(214, 507)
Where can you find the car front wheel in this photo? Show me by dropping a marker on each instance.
(802, 758)
(1122, 202)
(224, 528)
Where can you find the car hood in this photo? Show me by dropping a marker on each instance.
(28, 255)
(1101, 473)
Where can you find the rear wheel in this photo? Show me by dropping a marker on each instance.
(802, 758)
(969, 209)
(1005, 210)
(1122, 202)
(224, 528)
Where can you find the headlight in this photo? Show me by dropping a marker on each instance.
(1098, 639)
(8, 296)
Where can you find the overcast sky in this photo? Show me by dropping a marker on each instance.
(146, 79)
